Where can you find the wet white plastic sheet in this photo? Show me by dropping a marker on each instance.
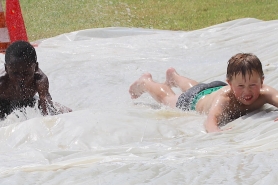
(113, 140)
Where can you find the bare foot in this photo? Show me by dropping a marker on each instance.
(170, 77)
(138, 87)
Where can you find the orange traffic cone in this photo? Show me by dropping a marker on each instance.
(15, 22)
(4, 34)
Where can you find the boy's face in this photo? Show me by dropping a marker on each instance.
(246, 89)
(21, 73)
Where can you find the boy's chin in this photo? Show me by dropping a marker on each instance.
(247, 102)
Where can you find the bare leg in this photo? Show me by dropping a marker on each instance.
(173, 79)
(161, 92)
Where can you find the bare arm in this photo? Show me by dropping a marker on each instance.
(44, 95)
(211, 123)
(45, 103)
(271, 95)
(215, 112)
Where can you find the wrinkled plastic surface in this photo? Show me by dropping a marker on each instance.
(111, 139)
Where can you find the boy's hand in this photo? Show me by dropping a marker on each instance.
(61, 109)
(217, 129)
(212, 128)
(276, 119)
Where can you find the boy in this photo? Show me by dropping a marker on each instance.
(245, 91)
(22, 79)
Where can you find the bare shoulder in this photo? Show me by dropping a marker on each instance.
(224, 98)
(40, 77)
(269, 95)
(224, 93)
(266, 89)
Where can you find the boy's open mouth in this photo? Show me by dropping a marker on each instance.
(247, 98)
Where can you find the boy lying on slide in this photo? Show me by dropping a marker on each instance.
(22, 79)
(245, 91)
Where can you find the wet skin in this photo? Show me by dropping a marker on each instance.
(241, 96)
(21, 81)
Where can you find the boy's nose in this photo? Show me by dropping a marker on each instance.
(247, 90)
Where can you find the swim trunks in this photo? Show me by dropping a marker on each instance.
(188, 100)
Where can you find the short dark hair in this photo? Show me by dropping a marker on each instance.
(20, 51)
(244, 63)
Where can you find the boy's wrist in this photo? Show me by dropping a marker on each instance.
(212, 128)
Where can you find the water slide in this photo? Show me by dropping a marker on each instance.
(110, 139)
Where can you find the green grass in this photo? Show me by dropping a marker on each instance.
(47, 18)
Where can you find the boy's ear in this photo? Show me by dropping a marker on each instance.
(228, 81)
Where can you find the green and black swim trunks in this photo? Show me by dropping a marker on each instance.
(188, 100)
